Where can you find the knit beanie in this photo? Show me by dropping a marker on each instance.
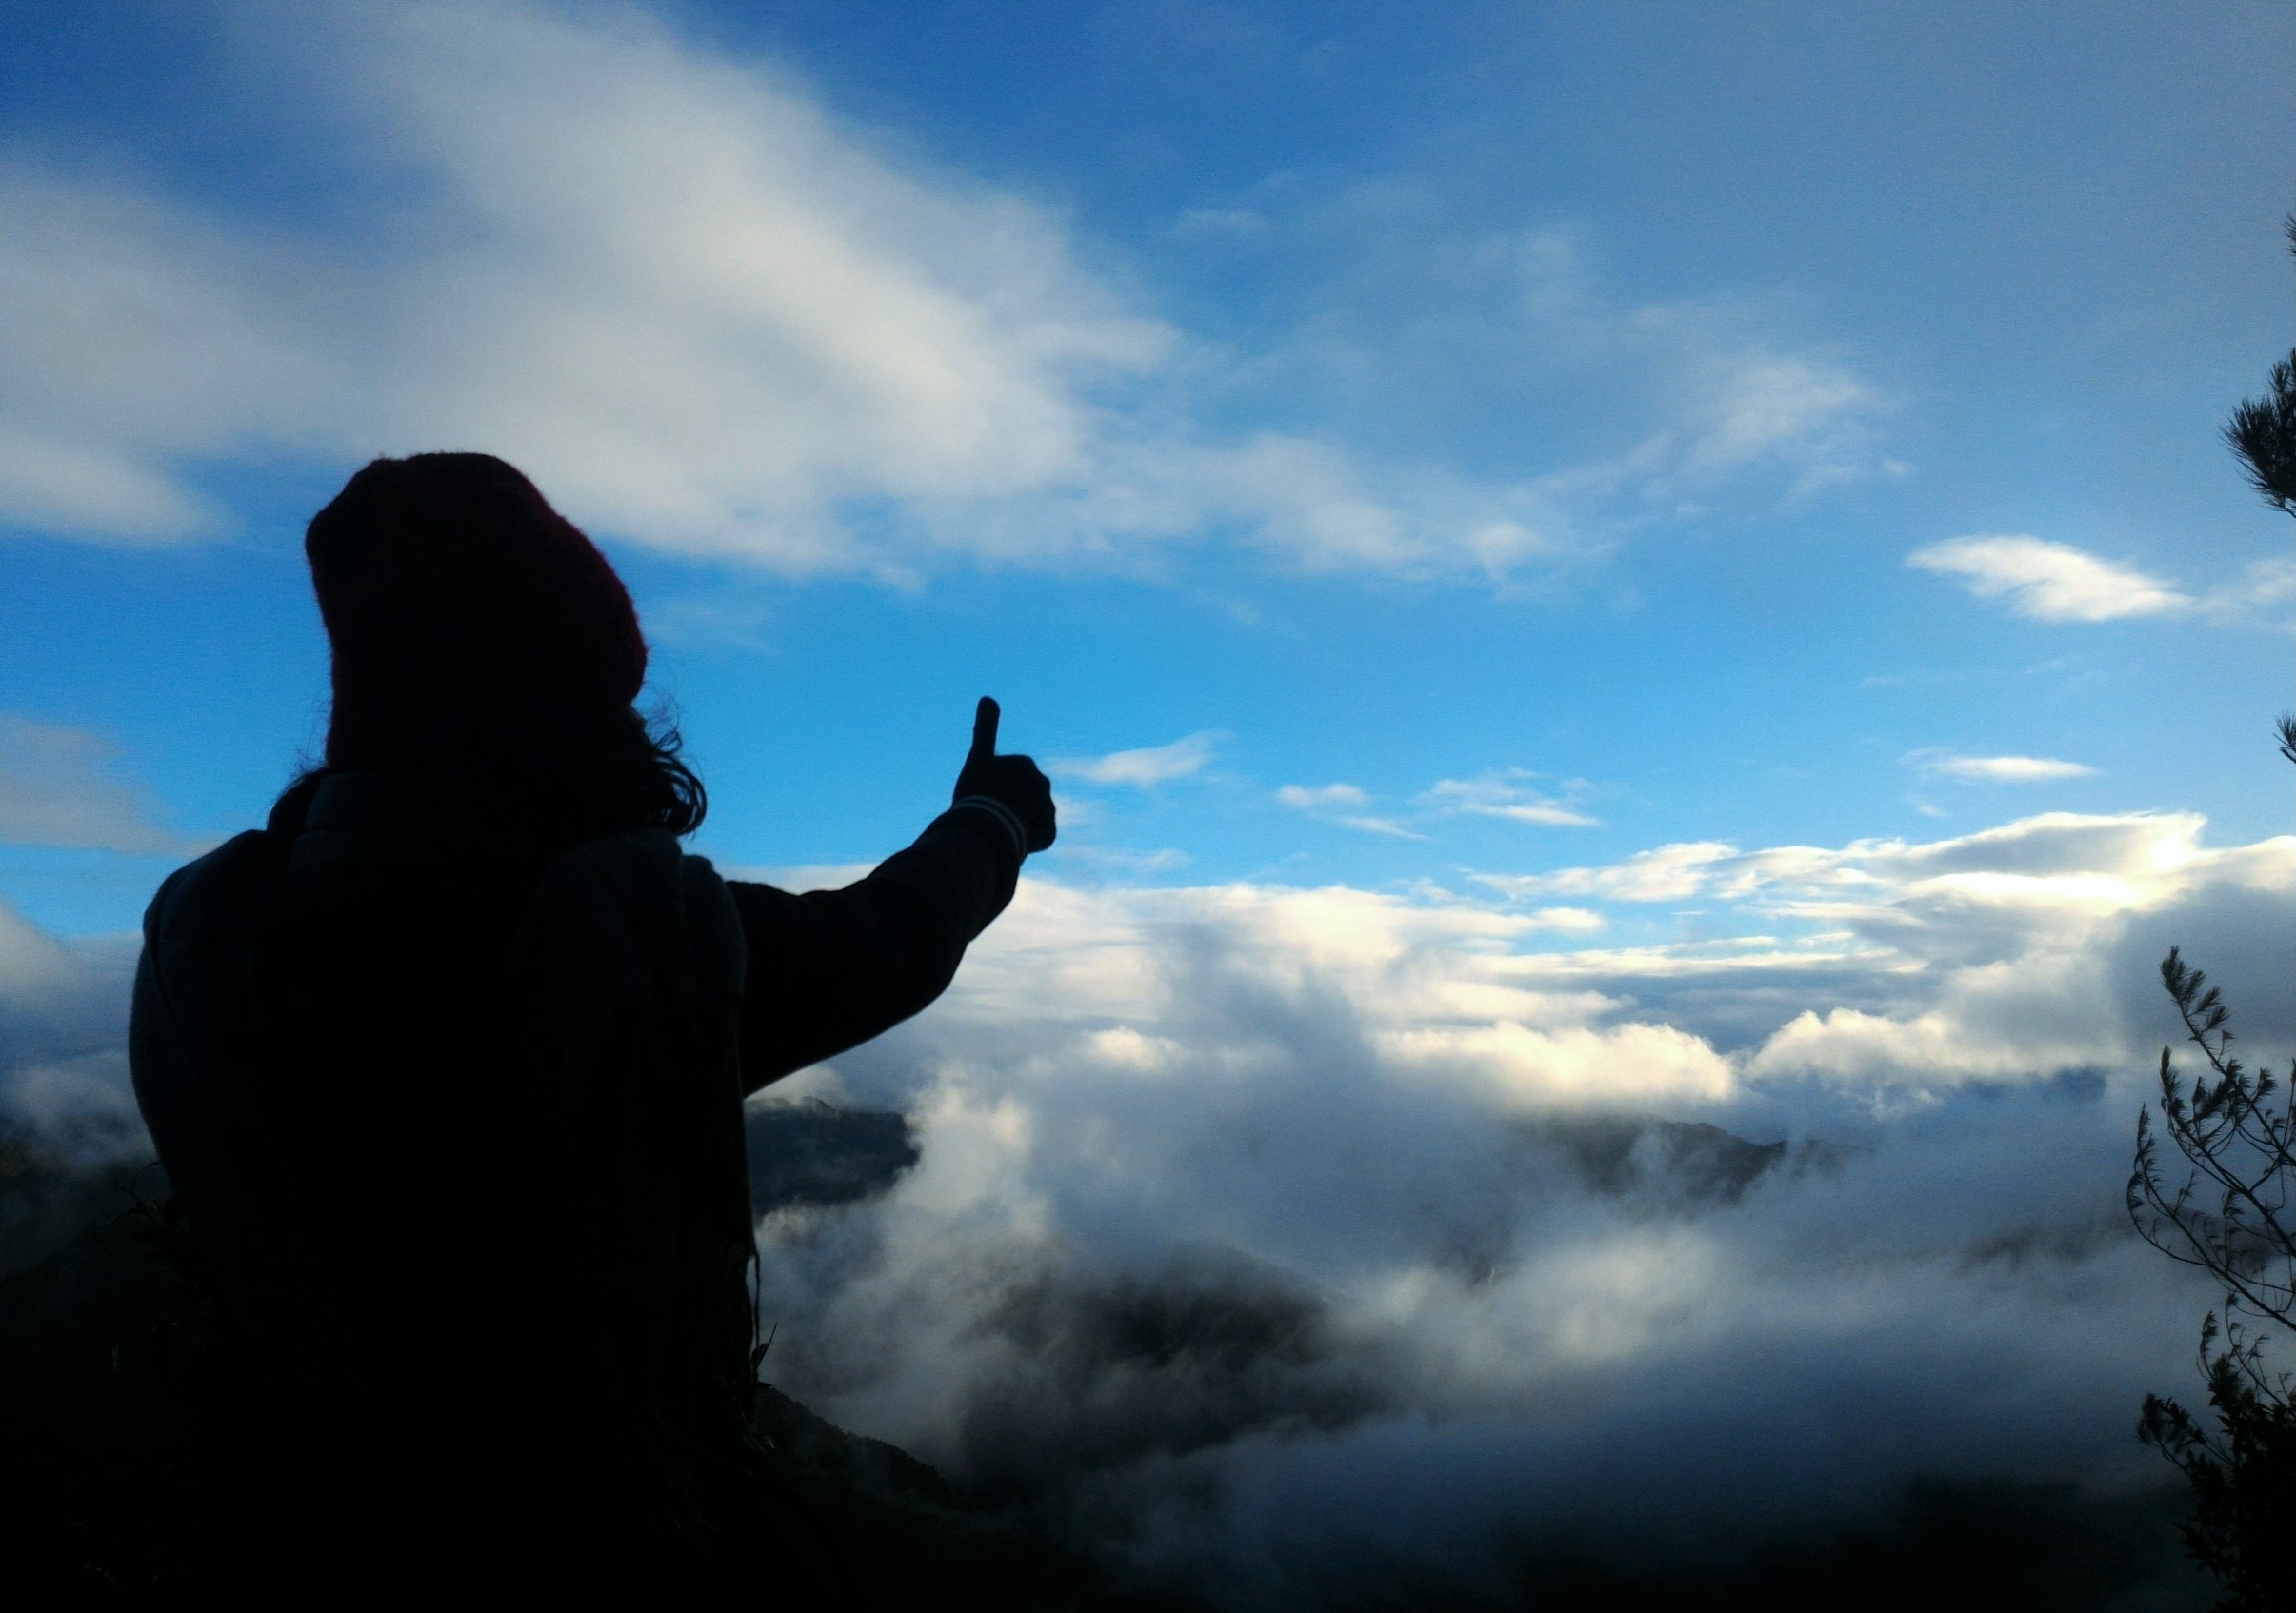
(463, 610)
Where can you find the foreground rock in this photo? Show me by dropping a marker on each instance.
(107, 1360)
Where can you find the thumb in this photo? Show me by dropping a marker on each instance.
(984, 730)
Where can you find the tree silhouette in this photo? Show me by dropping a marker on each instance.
(2263, 430)
(2232, 1215)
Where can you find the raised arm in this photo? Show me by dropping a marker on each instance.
(831, 969)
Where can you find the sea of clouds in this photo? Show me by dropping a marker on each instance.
(1295, 1240)
(1276, 1239)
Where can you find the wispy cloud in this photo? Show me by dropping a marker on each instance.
(2077, 858)
(1999, 770)
(1145, 768)
(1668, 873)
(140, 334)
(62, 787)
(1570, 921)
(2265, 585)
(1798, 410)
(1387, 827)
(1343, 804)
(2054, 581)
(666, 283)
(1318, 798)
(2051, 582)
(712, 317)
(1116, 861)
(1503, 795)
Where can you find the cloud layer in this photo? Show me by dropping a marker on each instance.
(1282, 1242)
(1311, 1239)
(64, 1087)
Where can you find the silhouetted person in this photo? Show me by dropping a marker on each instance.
(446, 1063)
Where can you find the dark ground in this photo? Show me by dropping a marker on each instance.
(106, 1352)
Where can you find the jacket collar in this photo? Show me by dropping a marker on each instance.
(379, 804)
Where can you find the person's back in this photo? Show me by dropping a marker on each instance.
(460, 1192)
(448, 1072)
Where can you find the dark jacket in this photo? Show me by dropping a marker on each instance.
(455, 1115)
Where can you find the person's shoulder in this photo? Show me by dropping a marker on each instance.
(634, 895)
(646, 855)
(629, 864)
(639, 875)
(212, 882)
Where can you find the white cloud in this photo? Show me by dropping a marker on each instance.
(2263, 589)
(1387, 827)
(817, 324)
(1511, 337)
(33, 965)
(61, 786)
(1546, 812)
(1142, 768)
(2112, 854)
(1244, 1209)
(2050, 582)
(1329, 798)
(1577, 920)
(1981, 956)
(63, 1042)
(1318, 797)
(139, 336)
(2002, 769)
(2053, 582)
(1498, 795)
(81, 1112)
(1990, 953)
(798, 876)
(663, 282)
(2266, 582)
(1627, 1065)
(1669, 873)
(711, 318)
(1782, 407)
(1369, 1130)
(1115, 861)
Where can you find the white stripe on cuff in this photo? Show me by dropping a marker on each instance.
(1003, 814)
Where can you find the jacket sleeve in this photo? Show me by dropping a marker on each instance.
(832, 968)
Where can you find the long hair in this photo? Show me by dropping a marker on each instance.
(626, 773)
(481, 639)
(600, 774)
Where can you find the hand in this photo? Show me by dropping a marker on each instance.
(1011, 780)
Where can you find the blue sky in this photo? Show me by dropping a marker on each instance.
(1260, 321)
(1638, 560)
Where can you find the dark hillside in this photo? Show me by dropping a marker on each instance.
(107, 1360)
(105, 1356)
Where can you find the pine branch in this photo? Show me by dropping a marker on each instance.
(2262, 434)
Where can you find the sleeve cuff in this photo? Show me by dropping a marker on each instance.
(1008, 820)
